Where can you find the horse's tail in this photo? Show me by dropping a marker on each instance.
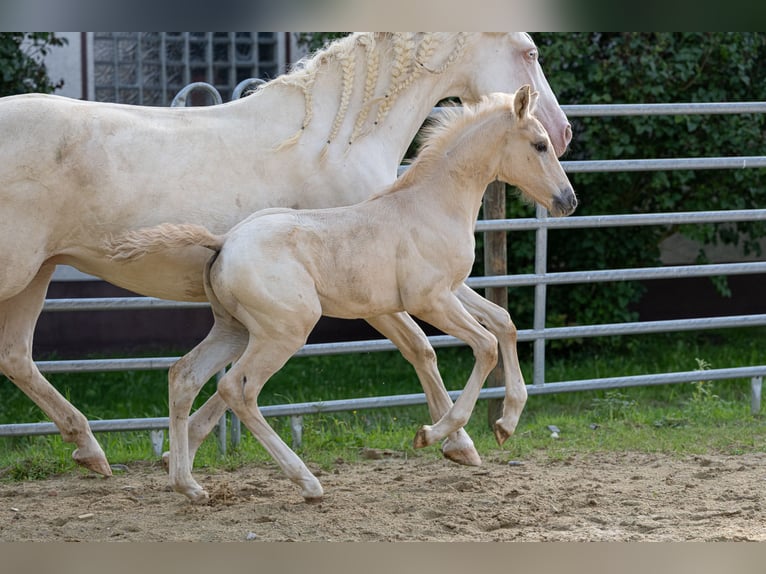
(136, 244)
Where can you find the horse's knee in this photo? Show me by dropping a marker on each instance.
(504, 324)
(418, 351)
(486, 350)
(16, 364)
(424, 352)
(230, 388)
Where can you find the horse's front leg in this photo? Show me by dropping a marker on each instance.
(17, 323)
(498, 322)
(413, 343)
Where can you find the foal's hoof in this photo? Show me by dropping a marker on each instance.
(166, 461)
(501, 435)
(197, 496)
(421, 438)
(464, 456)
(95, 462)
(460, 449)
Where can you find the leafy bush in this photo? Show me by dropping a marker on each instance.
(21, 62)
(610, 68)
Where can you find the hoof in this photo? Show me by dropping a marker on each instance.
(464, 456)
(96, 463)
(166, 461)
(311, 489)
(501, 435)
(197, 496)
(421, 438)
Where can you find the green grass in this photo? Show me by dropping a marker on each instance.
(683, 419)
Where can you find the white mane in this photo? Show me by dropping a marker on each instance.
(402, 56)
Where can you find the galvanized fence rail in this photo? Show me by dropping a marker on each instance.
(540, 279)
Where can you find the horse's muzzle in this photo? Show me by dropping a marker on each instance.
(564, 203)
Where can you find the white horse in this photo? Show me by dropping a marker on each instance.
(327, 134)
(409, 248)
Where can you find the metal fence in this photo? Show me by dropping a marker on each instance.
(539, 334)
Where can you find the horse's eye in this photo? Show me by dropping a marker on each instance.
(532, 55)
(542, 147)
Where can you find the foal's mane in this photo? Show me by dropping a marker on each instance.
(441, 134)
(401, 56)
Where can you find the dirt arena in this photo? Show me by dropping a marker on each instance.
(605, 497)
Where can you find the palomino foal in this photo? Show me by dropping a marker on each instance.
(409, 248)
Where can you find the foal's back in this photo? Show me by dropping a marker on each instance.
(364, 260)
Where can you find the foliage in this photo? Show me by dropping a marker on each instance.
(610, 68)
(22, 69)
(314, 41)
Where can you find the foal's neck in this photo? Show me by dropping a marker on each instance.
(452, 177)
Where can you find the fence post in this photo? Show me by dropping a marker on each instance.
(495, 263)
(755, 395)
(541, 265)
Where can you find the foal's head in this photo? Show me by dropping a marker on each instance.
(528, 159)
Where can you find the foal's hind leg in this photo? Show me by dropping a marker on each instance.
(279, 318)
(17, 323)
(412, 342)
(240, 387)
(498, 322)
(224, 343)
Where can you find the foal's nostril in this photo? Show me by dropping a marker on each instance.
(564, 203)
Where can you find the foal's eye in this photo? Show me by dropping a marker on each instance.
(532, 55)
(542, 147)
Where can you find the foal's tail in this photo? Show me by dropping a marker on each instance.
(136, 244)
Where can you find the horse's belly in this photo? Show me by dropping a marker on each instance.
(176, 276)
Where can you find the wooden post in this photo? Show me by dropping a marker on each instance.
(495, 263)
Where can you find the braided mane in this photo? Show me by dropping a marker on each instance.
(401, 56)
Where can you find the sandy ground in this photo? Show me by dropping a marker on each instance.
(605, 497)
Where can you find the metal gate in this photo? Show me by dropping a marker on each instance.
(539, 334)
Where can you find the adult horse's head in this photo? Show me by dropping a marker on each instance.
(505, 62)
(528, 160)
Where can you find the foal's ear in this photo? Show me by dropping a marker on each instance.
(522, 101)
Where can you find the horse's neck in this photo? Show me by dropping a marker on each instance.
(376, 96)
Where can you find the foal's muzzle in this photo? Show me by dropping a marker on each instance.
(564, 203)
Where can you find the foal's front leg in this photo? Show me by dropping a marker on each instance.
(449, 315)
(498, 322)
(413, 343)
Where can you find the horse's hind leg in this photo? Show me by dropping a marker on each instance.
(498, 322)
(412, 342)
(18, 316)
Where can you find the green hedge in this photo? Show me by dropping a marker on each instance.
(598, 68)
(21, 62)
